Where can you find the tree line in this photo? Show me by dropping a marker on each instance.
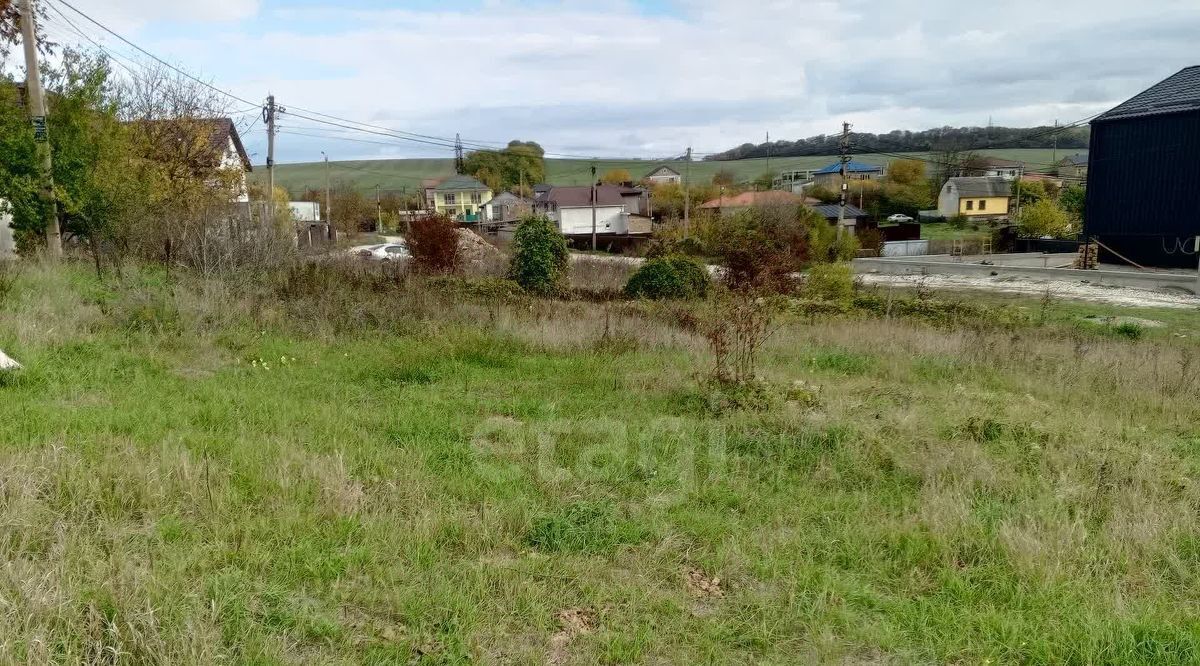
(930, 140)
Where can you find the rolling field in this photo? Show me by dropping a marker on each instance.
(323, 467)
(406, 174)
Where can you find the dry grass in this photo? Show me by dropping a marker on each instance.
(373, 470)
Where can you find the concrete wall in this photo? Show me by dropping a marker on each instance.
(609, 219)
(906, 248)
(8, 248)
(942, 265)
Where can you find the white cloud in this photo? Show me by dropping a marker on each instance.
(601, 78)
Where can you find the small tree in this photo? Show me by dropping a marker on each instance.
(433, 242)
(616, 177)
(724, 178)
(1045, 218)
(1072, 199)
(540, 260)
(669, 277)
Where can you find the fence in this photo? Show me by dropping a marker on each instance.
(910, 248)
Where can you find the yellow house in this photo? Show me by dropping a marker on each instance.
(976, 196)
(461, 197)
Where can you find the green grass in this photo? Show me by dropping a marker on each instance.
(944, 231)
(200, 472)
(398, 174)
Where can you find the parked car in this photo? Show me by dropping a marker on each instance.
(899, 218)
(382, 252)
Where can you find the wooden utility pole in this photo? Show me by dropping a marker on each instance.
(593, 207)
(844, 149)
(328, 202)
(687, 194)
(41, 131)
(269, 117)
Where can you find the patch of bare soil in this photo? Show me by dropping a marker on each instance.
(572, 622)
(700, 584)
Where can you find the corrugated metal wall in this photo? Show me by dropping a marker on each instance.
(1143, 195)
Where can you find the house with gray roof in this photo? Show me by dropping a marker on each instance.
(978, 197)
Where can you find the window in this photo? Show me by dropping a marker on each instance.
(970, 205)
(983, 204)
(450, 199)
(476, 197)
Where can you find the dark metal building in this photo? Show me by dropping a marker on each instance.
(1143, 193)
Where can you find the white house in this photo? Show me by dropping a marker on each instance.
(663, 174)
(571, 209)
(1000, 168)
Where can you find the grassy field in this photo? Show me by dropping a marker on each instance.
(296, 469)
(407, 173)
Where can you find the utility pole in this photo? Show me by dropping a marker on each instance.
(593, 206)
(1054, 155)
(328, 203)
(41, 131)
(378, 212)
(269, 117)
(687, 194)
(844, 150)
(769, 159)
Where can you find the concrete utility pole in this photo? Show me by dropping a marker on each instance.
(41, 131)
(269, 118)
(769, 159)
(328, 202)
(378, 212)
(687, 194)
(1054, 155)
(844, 149)
(593, 206)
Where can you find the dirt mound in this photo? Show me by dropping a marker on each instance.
(476, 251)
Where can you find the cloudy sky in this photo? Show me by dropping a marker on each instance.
(647, 78)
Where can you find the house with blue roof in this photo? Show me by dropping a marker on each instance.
(831, 175)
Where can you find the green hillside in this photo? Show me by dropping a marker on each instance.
(406, 174)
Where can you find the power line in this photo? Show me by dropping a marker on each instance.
(154, 57)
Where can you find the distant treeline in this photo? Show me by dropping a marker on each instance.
(903, 141)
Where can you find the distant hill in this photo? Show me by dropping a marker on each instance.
(903, 141)
(405, 175)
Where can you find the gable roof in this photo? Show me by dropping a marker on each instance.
(507, 198)
(662, 167)
(1074, 160)
(982, 186)
(578, 196)
(460, 183)
(746, 199)
(1000, 163)
(1178, 92)
(851, 167)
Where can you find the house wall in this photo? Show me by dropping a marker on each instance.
(664, 178)
(983, 206)
(609, 220)
(233, 161)
(834, 180)
(464, 203)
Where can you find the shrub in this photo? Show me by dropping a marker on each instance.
(763, 246)
(669, 277)
(830, 282)
(433, 242)
(540, 259)
(957, 222)
(1129, 330)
